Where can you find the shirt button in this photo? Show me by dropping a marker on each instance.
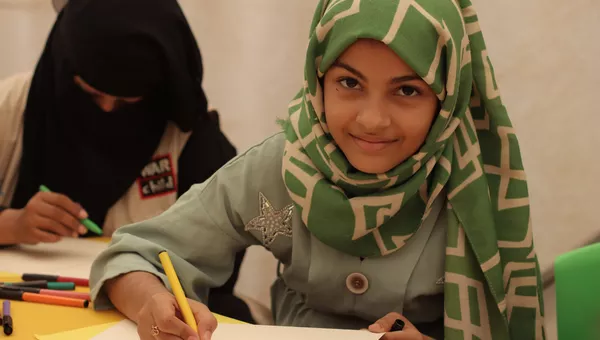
(357, 283)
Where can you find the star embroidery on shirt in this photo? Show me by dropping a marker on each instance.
(271, 222)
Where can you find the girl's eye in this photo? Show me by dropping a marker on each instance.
(349, 83)
(408, 91)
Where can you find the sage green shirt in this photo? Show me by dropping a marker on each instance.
(317, 285)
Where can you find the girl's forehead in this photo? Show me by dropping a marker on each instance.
(373, 54)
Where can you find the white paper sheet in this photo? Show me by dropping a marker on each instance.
(127, 330)
(68, 257)
(123, 330)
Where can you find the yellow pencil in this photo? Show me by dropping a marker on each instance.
(184, 306)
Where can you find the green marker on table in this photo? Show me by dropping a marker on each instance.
(42, 284)
(89, 224)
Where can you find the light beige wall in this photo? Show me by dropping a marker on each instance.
(547, 65)
(24, 26)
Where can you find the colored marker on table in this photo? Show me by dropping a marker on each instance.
(7, 322)
(55, 278)
(398, 325)
(182, 301)
(91, 226)
(42, 284)
(39, 298)
(68, 294)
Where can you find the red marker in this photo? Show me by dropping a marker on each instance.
(56, 278)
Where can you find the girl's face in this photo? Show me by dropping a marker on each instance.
(377, 108)
(105, 101)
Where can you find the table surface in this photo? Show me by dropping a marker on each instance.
(30, 319)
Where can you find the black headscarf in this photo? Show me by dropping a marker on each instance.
(125, 48)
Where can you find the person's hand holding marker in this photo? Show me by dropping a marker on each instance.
(397, 327)
(47, 217)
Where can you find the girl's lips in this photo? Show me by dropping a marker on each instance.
(371, 144)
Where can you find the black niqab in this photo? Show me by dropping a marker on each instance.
(125, 48)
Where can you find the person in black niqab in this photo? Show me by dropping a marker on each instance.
(112, 76)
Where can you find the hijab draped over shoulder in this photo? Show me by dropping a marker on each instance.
(470, 159)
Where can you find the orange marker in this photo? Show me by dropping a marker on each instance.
(39, 298)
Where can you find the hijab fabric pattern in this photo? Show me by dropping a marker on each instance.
(471, 157)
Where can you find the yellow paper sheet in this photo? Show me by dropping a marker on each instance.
(77, 334)
(90, 332)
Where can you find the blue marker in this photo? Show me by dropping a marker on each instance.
(7, 322)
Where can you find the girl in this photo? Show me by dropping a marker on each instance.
(114, 119)
(396, 192)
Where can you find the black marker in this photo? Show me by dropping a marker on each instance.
(397, 326)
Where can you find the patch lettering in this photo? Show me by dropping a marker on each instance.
(157, 178)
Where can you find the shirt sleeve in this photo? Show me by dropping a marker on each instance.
(202, 231)
(13, 98)
(207, 150)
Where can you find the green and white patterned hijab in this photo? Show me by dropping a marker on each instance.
(471, 156)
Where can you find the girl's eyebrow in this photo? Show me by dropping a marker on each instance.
(350, 69)
(361, 76)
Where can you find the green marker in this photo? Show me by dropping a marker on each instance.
(91, 226)
(41, 284)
